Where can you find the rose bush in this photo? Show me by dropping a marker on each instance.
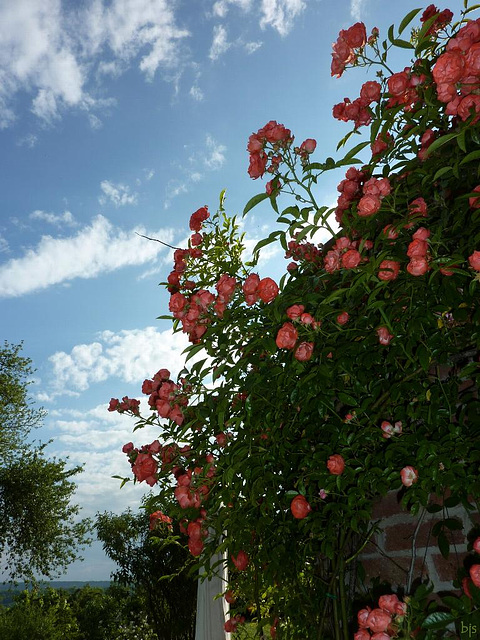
(354, 375)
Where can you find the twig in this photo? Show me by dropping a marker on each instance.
(165, 244)
(414, 552)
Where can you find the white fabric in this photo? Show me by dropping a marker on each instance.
(212, 614)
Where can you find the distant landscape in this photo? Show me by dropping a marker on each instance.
(8, 591)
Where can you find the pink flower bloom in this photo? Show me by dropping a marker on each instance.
(362, 634)
(308, 145)
(336, 464)
(342, 318)
(384, 335)
(351, 259)
(409, 475)
(267, 290)
(304, 351)
(474, 260)
(474, 202)
(145, 468)
(368, 206)
(378, 620)
(362, 617)
(241, 561)
(417, 266)
(389, 270)
(287, 336)
(389, 603)
(475, 574)
(295, 311)
(476, 545)
(300, 507)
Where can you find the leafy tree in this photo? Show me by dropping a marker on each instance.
(156, 566)
(39, 530)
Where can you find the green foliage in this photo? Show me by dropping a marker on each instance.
(156, 567)
(40, 533)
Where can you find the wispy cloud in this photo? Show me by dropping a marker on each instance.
(129, 355)
(3, 245)
(211, 158)
(117, 194)
(251, 47)
(196, 93)
(97, 248)
(66, 218)
(356, 7)
(29, 140)
(50, 49)
(220, 42)
(277, 14)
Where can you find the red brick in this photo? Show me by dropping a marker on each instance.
(393, 569)
(400, 536)
(447, 568)
(387, 506)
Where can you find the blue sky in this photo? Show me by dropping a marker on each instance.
(124, 116)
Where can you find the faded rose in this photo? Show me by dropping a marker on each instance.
(304, 351)
(384, 336)
(408, 475)
(336, 464)
(287, 336)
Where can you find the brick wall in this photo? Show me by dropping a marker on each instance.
(389, 554)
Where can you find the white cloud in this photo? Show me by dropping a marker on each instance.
(3, 244)
(216, 157)
(29, 140)
(65, 218)
(50, 48)
(95, 249)
(130, 355)
(356, 7)
(94, 121)
(196, 93)
(118, 194)
(149, 173)
(251, 47)
(280, 14)
(220, 43)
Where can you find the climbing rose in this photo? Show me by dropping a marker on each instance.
(475, 574)
(304, 351)
(342, 318)
(145, 468)
(287, 336)
(409, 475)
(476, 545)
(356, 35)
(197, 218)
(474, 260)
(362, 635)
(300, 507)
(368, 205)
(336, 464)
(474, 202)
(308, 146)
(362, 617)
(384, 335)
(351, 259)
(370, 92)
(448, 68)
(267, 290)
(389, 270)
(378, 620)
(295, 311)
(390, 603)
(417, 266)
(241, 561)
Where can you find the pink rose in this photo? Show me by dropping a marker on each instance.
(351, 259)
(389, 603)
(362, 634)
(421, 234)
(381, 636)
(417, 249)
(408, 475)
(362, 617)
(417, 266)
(267, 290)
(241, 561)
(287, 336)
(475, 574)
(384, 336)
(474, 260)
(378, 620)
(370, 92)
(336, 464)
(295, 311)
(473, 201)
(389, 270)
(398, 83)
(476, 545)
(449, 68)
(197, 218)
(258, 163)
(342, 318)
(355, 36)
(226, 287)
(308, 146)
(469, 103)
(304, 351)
(145, 468)
(368, 205)
(300, 507)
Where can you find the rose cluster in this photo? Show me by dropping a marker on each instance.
(159, 516)
(344, 254)
(255, 289)
(287, 335)
(302, 252)
(344, 48)
(381, 623)
(127, 404)
(167, 397)
(457, 72)
(358, 111)
(275, 135)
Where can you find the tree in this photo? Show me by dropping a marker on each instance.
(39, 530)
(355, 375)
(156, 566)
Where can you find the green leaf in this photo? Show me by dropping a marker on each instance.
(404, 44)
(193, 350)
(407, 19)
(263, 243)
(441, 172)
(390, 35)
(443, 544)
(437, 620)
(439, 142)
(461, 141)
(473, 155)
(260, 197)
(353, 152)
